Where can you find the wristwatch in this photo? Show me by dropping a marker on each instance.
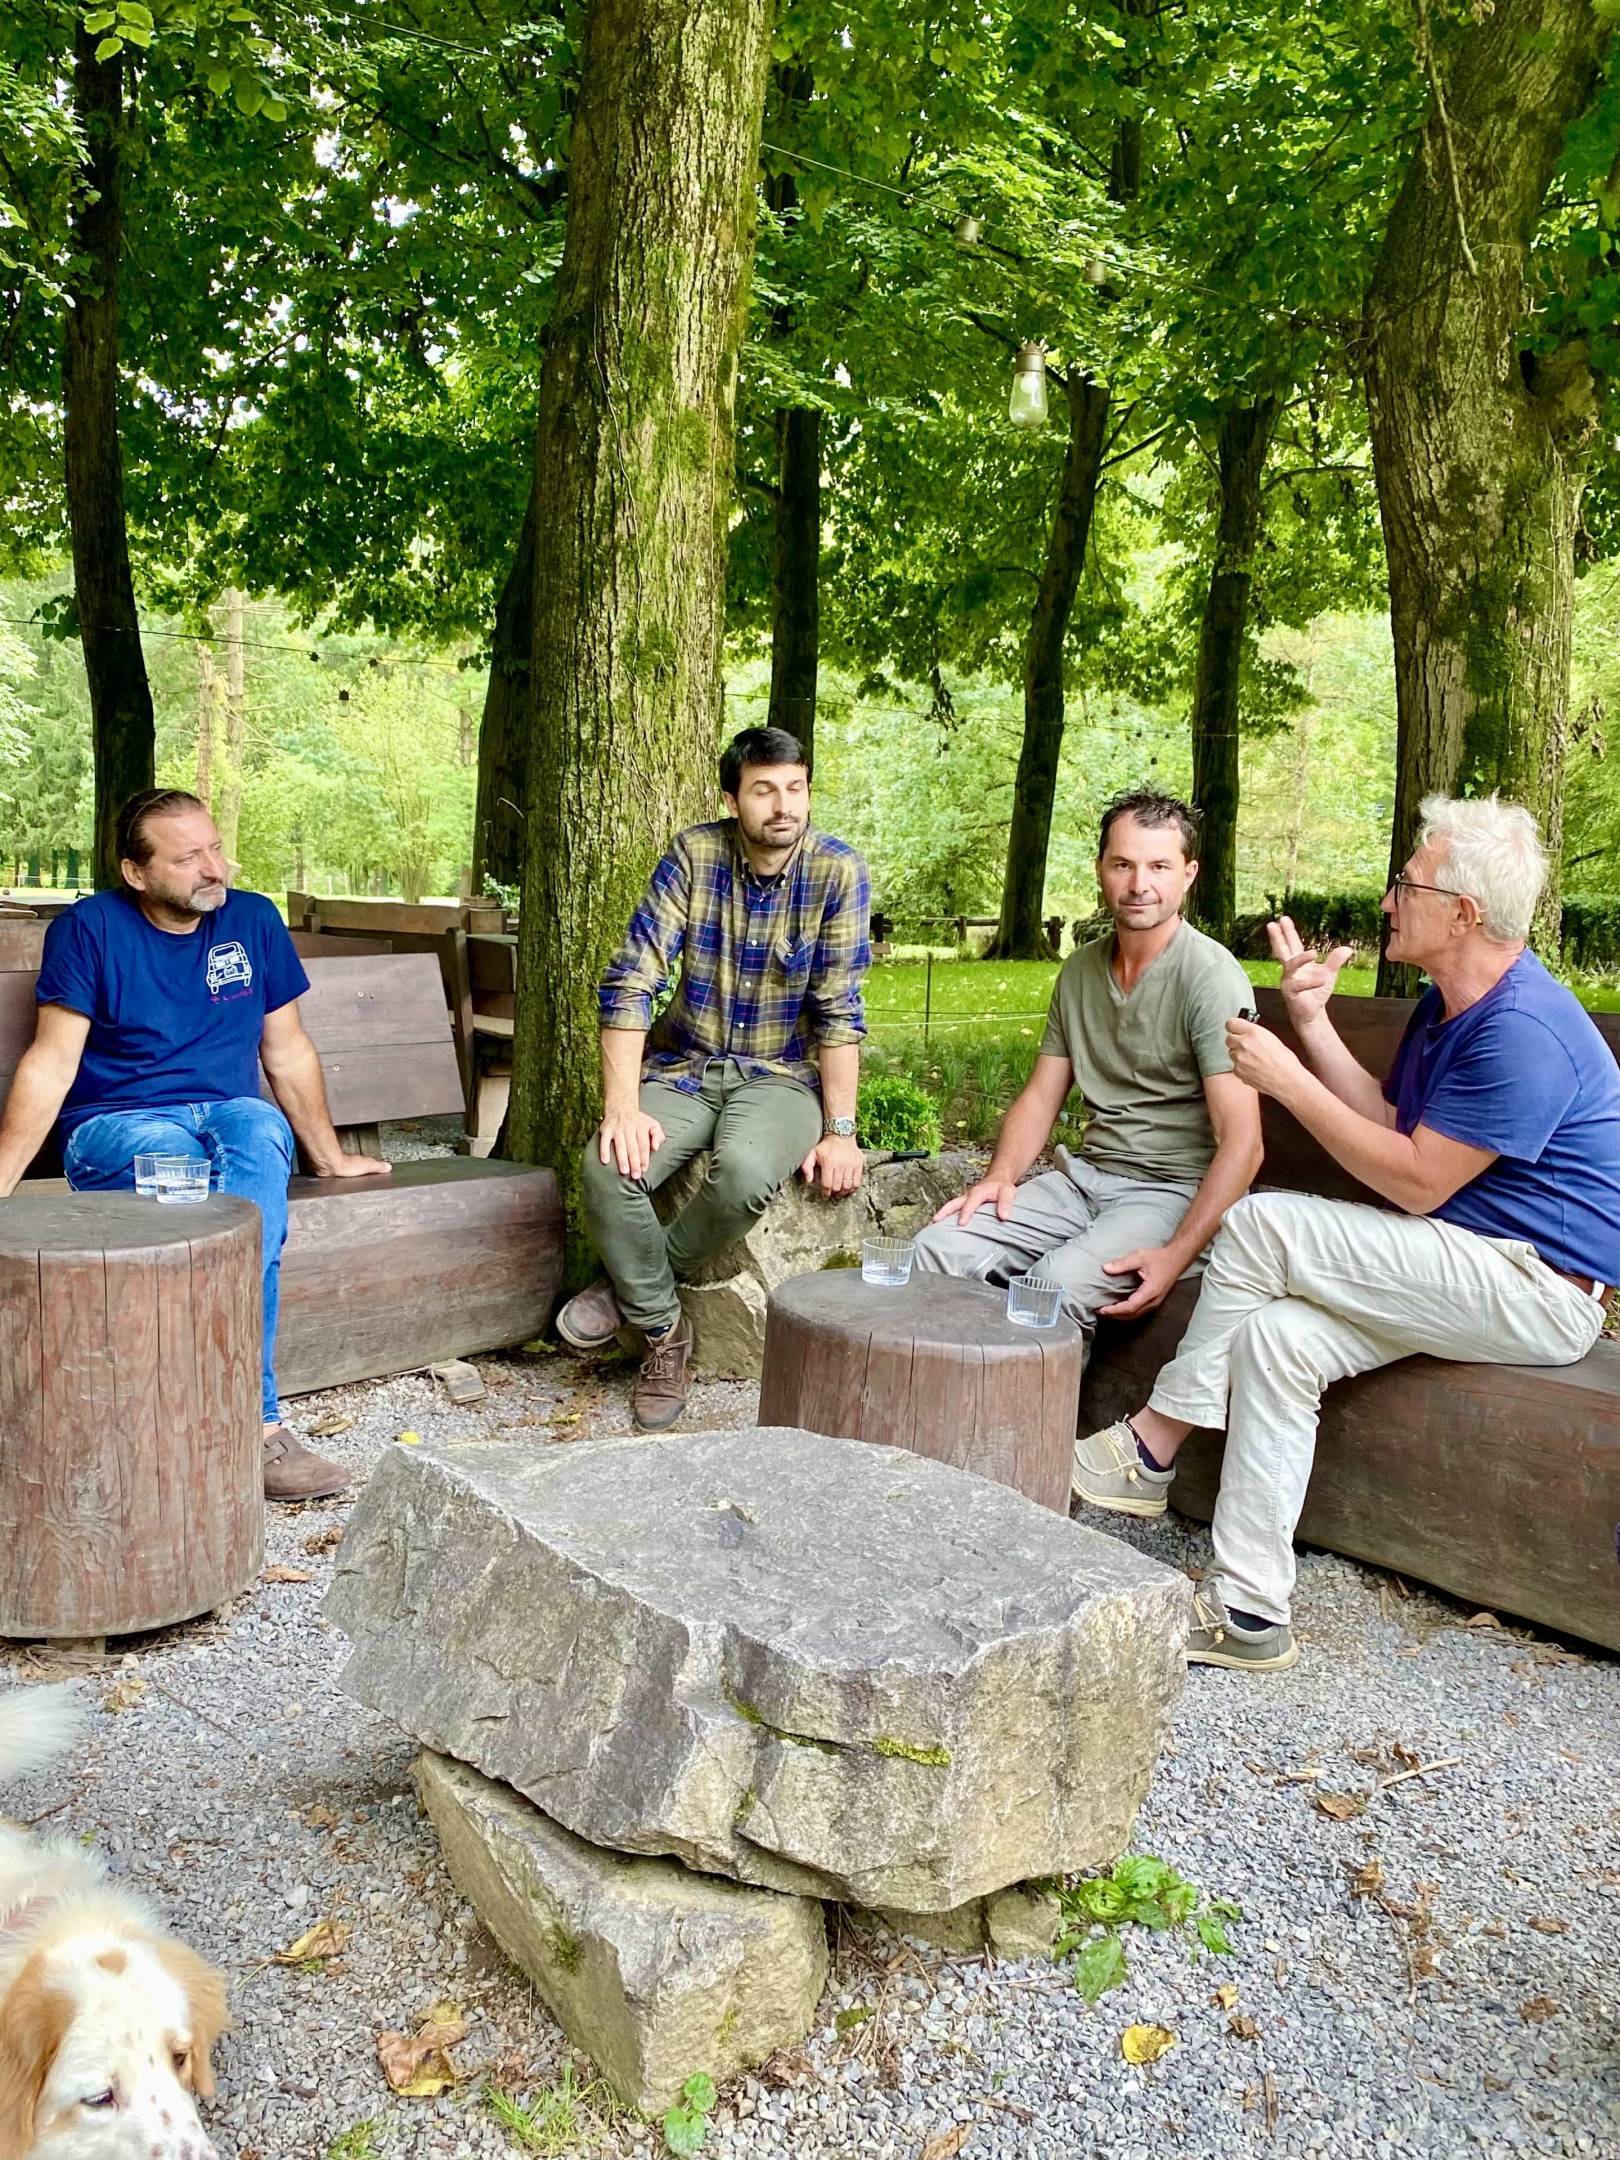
(838, 1128)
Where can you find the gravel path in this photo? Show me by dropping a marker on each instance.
(1466, 2005)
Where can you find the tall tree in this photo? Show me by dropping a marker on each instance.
(503, 734)
(104, 587)
(633, 464)
(1480, 439)
(796, 496)
(1243, 441)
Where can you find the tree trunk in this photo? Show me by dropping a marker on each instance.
(104, 590)
(503, 734)
(228, 793)
(796, 573)
(1019, 934)
(634, 465)
(1245, 438)
(206, 699)
(1478, 447)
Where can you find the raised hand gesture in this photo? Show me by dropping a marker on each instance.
(1307, 982)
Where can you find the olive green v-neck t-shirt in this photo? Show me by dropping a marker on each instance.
(1140, 1060)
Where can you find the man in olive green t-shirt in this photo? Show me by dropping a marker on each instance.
(1138, 1025)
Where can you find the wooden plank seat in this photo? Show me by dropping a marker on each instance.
(443, 1258)
(1499, 1483)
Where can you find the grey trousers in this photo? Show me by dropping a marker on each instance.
(1062, 1228)
(758, 1132)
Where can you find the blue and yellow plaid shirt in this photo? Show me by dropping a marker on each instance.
(770, 968)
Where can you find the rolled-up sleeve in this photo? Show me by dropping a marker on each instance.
(843, 955)
(642, 968)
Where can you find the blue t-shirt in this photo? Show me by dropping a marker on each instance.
(1525, 1072)
(174, 1017)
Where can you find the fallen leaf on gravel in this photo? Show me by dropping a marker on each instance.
(334, 1422)
(326, 1540)
(1538, 2009)
(326, 1939)
(1483, 1620)
(408, 1439)
(275, 1572)
(418, 2064)
(1225, 1998)
(1343, 1807)
(1545, 1924)
(320, 1817)
(1243, 2028)
(1145, 2043)
(125, 1694)
(1368, 1880)
(948, 2144)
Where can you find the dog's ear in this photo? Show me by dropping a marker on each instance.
(34, 2018)
(208, 2009)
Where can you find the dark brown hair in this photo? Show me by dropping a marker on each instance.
(1148, 807)
(133, 845)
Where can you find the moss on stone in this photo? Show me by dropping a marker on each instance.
(934, 1758)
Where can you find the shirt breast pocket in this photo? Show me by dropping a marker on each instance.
(790, 961)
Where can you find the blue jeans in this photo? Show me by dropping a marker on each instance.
(250, 1147)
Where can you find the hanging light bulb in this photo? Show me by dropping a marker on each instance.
(967, 230)
(1094, 271)
(1027, 405)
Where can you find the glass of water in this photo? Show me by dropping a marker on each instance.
(887, 1260)
(1033, 1304)
(146, 1176)
(182, 1178)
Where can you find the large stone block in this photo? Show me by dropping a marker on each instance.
(811, 1664)
(799, 1232)
(654, 1971)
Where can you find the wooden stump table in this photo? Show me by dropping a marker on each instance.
(935, 1366)
(131, 1479)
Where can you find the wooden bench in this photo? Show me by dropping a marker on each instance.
(442, 1258)
(1499, 1483)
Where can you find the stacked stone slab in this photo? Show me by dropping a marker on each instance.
(816, 1667)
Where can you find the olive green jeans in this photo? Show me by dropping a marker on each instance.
(757, 1131)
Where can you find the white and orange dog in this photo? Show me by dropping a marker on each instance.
(106, 2022)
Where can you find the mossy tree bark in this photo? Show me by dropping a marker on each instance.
(1478, 445)
(796, 573)
(633, 467)
(104, 589)
(1245, 439)
(1019, 935)
(503, 733)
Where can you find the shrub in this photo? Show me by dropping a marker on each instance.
(895, 1114)
(1591, 937)
(1322, 920)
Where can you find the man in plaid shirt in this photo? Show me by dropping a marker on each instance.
(755, 1057)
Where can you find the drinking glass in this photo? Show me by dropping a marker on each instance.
(1033, 1304)
(146, 1176)
(887, 1260)
(182, 1178)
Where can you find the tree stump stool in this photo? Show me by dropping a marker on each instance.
(935, 1366)
(131, 1479)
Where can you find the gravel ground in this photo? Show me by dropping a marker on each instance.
(1467, 2005)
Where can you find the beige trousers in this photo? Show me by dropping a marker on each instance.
(1300, 1292)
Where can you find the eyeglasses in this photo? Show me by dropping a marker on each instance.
(1403, 884)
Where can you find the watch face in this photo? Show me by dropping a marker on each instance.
(842, 1127)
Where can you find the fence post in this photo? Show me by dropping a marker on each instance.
(928, 993)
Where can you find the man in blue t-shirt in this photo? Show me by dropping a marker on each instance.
(157, 1005)
(1495, 1140)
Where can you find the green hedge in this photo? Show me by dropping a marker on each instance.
(1591, 931)
(1322, 919)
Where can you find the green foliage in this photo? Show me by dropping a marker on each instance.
(1322, 919)
(554, 2119)
(686, 2124)
(894, 1113)
(361, 2141)
(1591, 930)
(1140, 1892)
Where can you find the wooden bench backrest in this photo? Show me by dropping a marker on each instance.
(1371, 1029)
(378, 1022)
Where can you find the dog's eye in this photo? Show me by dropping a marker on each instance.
(105, 2099)
(181, 2057)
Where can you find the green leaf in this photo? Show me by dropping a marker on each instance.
(219, 80)
(683, 2130)
(108, 47)
(1212, 1934)
(102, 19)
(1099, 1967)
(249, 95)
(699, 2092)
(274, 109)
(133, 12)
(135, 35)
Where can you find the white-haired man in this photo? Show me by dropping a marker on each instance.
(1496, 1141)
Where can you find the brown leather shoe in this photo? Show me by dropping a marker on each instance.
(662, 1386)
(592, 1320)
(295, 1472)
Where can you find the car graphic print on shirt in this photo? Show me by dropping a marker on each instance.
(230, 972)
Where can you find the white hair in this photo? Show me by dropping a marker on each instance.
(1493, 855)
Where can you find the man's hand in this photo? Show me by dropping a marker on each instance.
(354, 1166)
(1260, 1059)
(999, 1193)
(1159, 1269)
(841, 1163)
(1307, 982)
(631, 1141)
